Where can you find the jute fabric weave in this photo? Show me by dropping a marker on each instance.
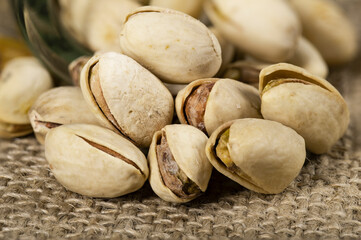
(324, 202)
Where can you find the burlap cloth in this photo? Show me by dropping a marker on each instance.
(324, 202)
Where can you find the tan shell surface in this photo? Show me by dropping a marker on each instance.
(187, 145)
(229, 100)
(320, 116)
(22, 80)
(328, 28)
(84, 169)
(8, 131)
(309, 58)
(270, 154)
(177, 49)
(61, 105)
(137, 99)
(265, 29)
(190, 7)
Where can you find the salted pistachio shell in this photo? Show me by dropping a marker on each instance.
(328, 29)
(190, 7)
(58, 106)
(308, 104)
(177, 49)
(11, 48)
(264, 156)
(23, 79)
(75, 68)
(228, 49)
(228, 100)
(186, 144)
(137, 101)
(308, 57)
(94, 161)
(265, 29)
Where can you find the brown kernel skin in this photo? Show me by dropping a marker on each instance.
(195, 106)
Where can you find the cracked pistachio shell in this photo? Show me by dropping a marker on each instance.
(228, 100)
(22, 80)
(308, 57)
(187, 145)
(177, 49)
(95, 161)
(328, 29)
(137, 100)
(265, 29)
(190, 7)
(266, 156)
(58, 106)
(308, 104)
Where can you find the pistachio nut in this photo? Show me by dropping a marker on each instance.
(208, 103)
(23, 79)
(11, 48)
(328, 29)
(58, 106)
(190, 7)
(75, 68)
(261, 155)
(265, 29)
(95, 23)
(95, 161)
(228, 49)
(307, 103)
(177, 49)
(179, 169)
(126, 97)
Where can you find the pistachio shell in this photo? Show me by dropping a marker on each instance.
(228, 100)
(89, 160)
(267, 154)
(265, 29)
(138, 101)
(328, 28)
(187, 145)
(58, 106)
(308, 104)
(178, 48)
(190, 7)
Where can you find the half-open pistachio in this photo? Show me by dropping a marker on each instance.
(95, 161)
(179, 169)
(58, 106)
(261, 155)
(208, 103)
(126, 97)
(308, 104)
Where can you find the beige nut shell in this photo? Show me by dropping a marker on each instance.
(317, 111)
(265, 29)
(177, 48)
(228, 100)
(61, 105)
(187, 145)
(84, 169)
(137, 99)
(269, 154)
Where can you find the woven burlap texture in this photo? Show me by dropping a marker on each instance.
(324, 202)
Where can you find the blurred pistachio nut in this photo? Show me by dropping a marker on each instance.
(179, 169)
(228, 49)
(126, 97)
(177, 49)
(261, 155)
(23, 79)
(58, 106)
(327, 27)
(265, 29)
(95, 161)
(308, 104)
(190, 7)
(75, 68)
(208, 103)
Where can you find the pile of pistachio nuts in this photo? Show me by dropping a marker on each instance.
(185, 95)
